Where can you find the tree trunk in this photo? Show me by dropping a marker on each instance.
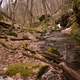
(44, 7)
(72, 73)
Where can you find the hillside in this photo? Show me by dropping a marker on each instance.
(40, 40)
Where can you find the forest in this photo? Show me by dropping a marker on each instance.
(39, 39)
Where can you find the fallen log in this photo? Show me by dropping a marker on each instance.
(42, 60)
(14, 39)
(71, 72)
(19, 39)
(3, 37)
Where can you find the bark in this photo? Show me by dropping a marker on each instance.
(30, 12)
(1, 2)
(44, 7)
(25, 13)
(49, 8)
(72, 73)
(13, 12)
(69, 71)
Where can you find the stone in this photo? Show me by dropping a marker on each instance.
(67, 31)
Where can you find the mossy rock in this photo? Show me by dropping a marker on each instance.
(19, 68)
(54, 51)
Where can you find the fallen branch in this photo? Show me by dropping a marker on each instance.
(70, 71)
(47, 56)
(14, 39)
(43, 60)
(3, 37)
(6, 46)
(19, 39)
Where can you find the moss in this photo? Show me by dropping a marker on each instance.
(54, 51)
(12, 34)
(76, 8)
(1, 17)
(19, 68)
(75, 28)
(75, 33)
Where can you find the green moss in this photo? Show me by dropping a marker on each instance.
(1, 17)
(75, 28)
(19, 68)
(75, 33)
(54, 51)
(44, 27)
(12, 34)
(76, 8)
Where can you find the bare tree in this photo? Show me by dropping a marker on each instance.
(1, 2)
(13, 4)
(30, 12)
(48, 7)
(25, 13)
(32, 9)
(44, 7)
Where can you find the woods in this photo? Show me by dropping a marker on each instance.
(39, 39)
(29, 8)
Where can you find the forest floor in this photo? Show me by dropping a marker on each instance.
(13, 47)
